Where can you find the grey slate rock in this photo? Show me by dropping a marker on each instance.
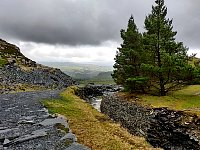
(28, 125)
(70, 136)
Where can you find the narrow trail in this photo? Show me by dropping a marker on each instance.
(26, 125)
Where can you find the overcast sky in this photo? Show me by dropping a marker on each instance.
(86, 30)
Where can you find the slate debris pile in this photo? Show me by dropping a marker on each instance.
(174, 130)
(13, 76)
(25, 124)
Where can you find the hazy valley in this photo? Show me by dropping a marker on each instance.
(84, 73)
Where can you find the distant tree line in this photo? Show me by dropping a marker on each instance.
(153, 61)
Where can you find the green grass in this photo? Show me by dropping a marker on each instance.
(2, 62)
(91, 127)
(187, 99)
(11, 50)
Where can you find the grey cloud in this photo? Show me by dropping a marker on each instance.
(186, 21)
(89, 22)
(71, 22)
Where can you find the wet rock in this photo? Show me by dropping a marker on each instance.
(91, 90)
(92, 93)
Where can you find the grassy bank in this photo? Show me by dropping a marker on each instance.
(187, 99)
(92, 128)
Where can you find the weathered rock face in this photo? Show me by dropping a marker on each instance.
(16, 70)
(161, 127)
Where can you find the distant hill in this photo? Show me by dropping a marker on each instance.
(19, 73)
(78, 70)
(104, 75)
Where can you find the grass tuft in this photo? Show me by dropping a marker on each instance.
(3, 62)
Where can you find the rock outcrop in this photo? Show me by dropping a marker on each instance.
(161, 127)
(17, 72)
(92, 90)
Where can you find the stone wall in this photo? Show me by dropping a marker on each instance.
(161, 127)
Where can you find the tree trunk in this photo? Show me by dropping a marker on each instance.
(162, 87)
(162, 84)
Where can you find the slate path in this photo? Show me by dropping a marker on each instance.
(26, 125)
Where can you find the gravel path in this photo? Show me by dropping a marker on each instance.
(26, 125)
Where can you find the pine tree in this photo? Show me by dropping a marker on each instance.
(167, 61)
(128, 59)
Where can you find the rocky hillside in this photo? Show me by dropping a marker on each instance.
(18, 73)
